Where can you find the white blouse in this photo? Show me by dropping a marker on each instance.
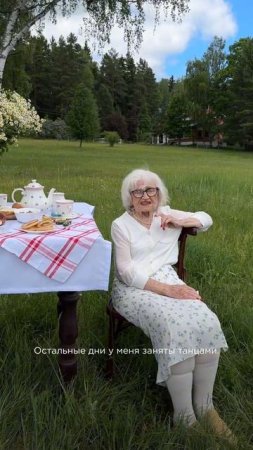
(139, 252)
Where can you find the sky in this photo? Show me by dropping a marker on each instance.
(168, 49)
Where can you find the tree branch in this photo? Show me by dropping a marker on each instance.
(10, 39)
(38, 5)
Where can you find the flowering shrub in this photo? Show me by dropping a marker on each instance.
(55, 129)
(17, 117)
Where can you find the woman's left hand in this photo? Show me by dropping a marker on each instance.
(169, 221)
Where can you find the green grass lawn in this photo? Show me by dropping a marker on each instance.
(132, 412)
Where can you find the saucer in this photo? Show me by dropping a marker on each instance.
(67, 217)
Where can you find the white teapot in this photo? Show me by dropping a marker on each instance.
(33, 196)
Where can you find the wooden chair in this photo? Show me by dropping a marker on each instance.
(118, 323)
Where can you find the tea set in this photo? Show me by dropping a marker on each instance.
(34, 197)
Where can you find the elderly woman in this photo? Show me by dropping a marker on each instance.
(186, 335)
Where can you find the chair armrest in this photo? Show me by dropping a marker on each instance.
(192, 231)
(186, 231)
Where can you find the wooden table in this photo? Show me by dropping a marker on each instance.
(92, 273)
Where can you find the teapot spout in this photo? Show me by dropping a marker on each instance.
(50, 197)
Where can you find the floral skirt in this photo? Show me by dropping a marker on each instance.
(178, 329)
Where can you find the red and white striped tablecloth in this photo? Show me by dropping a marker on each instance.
(55, 254)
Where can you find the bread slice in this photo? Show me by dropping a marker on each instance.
(8, 213)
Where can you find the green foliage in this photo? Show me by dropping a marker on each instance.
(126, 92)
(71, 65)
(164, 90)
(213, 102)
(55, 129)
(147, 89)
(116, 121)
(104, 14)
(83, 115)
(104, 102)
(205, 91)
(39, 71)
(16, 76)
(178, 121)
(145, 123)
(112, 137)
(46, 64)
(239, 124)
(215, 58)
(133, 95)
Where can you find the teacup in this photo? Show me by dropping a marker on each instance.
(3, 200)
(64, 208)
(56, 197)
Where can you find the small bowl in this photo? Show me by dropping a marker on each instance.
(24, 215)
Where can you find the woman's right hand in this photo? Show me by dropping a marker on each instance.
(181, 291)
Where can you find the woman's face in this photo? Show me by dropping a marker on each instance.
(146, 203)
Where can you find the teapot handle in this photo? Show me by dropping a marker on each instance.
(15, 190)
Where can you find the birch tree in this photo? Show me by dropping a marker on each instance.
(18, 16)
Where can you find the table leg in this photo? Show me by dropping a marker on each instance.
(68, 332)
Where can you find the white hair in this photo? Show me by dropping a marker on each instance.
(130, 182)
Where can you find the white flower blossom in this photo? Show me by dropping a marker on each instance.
(17, 117)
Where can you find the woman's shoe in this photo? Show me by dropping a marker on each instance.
(195, 426)
(219, 427)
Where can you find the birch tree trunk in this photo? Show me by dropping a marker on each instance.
(2, 65)
(12, 34)
(7, 46)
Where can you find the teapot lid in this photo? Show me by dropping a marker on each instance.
(34, 185)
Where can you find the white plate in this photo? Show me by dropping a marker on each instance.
(6, 208)
(10, 209)
(39, 231)
(69, 217)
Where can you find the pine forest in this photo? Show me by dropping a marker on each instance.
(213, 101)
